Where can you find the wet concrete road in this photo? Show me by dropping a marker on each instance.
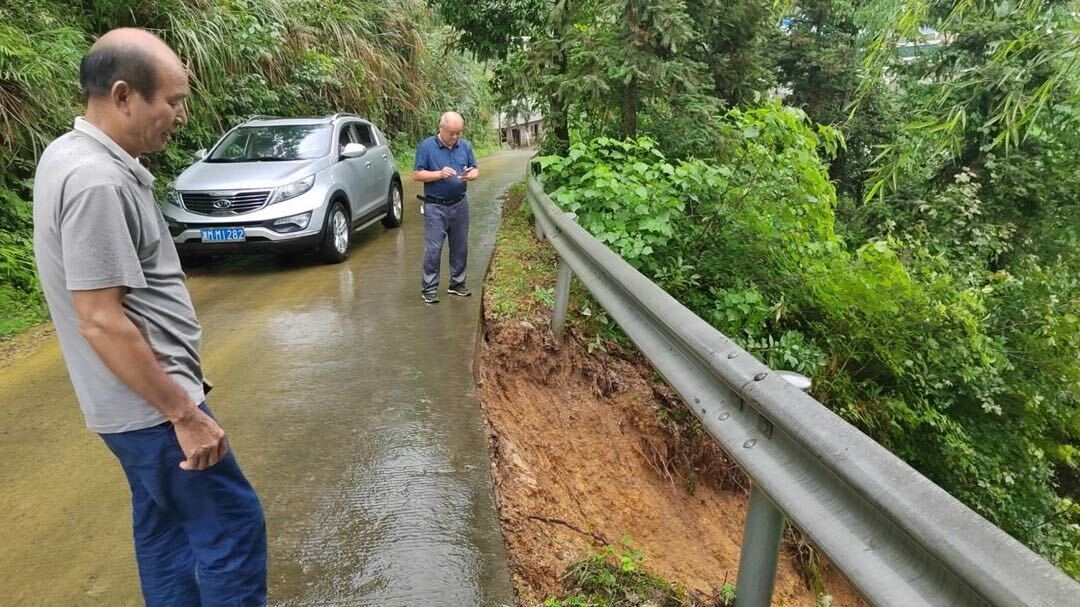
(350, 404)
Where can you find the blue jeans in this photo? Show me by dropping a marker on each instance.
(445, 223)
(200, 536)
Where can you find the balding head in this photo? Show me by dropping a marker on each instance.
(452, 121)
(136, 89)
(134, 56)
(450, 126)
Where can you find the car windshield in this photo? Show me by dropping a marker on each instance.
(273, 143)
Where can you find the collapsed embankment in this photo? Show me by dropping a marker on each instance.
(588, 447)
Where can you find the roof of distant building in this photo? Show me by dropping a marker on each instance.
(510, 119)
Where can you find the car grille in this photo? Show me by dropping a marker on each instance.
(225, 203)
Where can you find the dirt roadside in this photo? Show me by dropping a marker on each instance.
(25, 343)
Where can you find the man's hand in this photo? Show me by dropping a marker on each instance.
(448, 172)
(201, 439)
(470, 174)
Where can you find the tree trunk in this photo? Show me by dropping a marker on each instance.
(558, 121)
(560, 125)
(629, 109)
(630, 93)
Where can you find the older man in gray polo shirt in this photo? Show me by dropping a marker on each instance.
(118, 298)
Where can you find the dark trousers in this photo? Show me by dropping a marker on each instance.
(200, 536)
(442, 223)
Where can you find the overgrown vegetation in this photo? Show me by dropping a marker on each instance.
(523, 267)
(521, 284)
(899, 345)
(280, 57)
(616, 577)
(902, 226)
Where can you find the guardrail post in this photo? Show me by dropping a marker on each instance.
(760, 552)
(539, 228)
(562, 299)
(761, 538)
(562, 293)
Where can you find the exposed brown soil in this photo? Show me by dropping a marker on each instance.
(588, 448)
(580, 459)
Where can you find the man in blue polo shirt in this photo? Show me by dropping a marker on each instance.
(445, 164)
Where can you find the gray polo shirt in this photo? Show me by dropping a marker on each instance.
(97, 225)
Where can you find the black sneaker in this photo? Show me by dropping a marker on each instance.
(430, 298)
(459, 290)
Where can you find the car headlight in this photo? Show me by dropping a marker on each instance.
(173, 197)
(294, 189)
(300, 221)
(175, 227)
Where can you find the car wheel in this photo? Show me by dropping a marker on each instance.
(336, 235)
(395, 207)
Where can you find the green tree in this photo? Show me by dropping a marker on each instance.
(624, 67)
(733, 40)
(998, 77)
(819, 58)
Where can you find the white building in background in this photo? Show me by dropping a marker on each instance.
(519, 129)
(931, 41)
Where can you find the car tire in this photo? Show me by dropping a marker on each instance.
(395, 206)
(337, 234)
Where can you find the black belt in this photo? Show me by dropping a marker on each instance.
(446, 202)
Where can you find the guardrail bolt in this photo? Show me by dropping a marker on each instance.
(732, 355)
(760, 376)
(724, 416)
(750, 443)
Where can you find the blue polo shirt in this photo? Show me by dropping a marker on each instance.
(432, 155)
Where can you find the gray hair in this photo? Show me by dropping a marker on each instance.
(448, 116)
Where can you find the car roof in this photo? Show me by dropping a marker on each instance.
(299, 120)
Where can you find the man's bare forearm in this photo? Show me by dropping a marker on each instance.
(427, 176)
(125, 352)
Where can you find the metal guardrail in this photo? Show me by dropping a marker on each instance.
(898, 538)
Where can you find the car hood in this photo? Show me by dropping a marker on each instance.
(246, 175)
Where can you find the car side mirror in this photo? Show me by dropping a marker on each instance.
(200, 154)
(354, 150)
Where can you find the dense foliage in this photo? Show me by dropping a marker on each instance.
(903, 226)
(626, 67)
(278, 57)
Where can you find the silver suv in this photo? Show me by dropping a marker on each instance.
(274, 184)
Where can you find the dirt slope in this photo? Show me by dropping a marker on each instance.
(580, 457)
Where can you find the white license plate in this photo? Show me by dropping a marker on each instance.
(223, 235)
